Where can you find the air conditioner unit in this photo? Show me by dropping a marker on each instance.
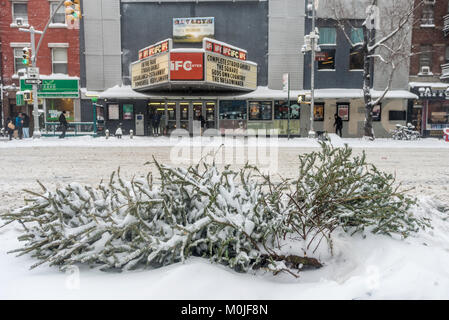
(429, 1)
(425, 70)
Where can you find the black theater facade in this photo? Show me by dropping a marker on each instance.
(215, 83)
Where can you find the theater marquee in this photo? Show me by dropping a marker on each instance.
(150, 72)
(217, 66)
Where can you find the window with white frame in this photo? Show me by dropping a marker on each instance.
(20, 10)
(60, 14)
(328, 36)
(425, 57)
(59, 58)
(428, 13)
(18, 57)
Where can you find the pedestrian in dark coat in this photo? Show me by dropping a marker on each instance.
(156, 123)
(338, 124)
(19, 125)
(63, 123)
(26, 125)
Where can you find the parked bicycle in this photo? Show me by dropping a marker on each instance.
(407, 132)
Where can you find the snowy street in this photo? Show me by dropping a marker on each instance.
(376, 267)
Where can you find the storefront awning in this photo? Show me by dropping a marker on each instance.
(126, 92)
(54, 86)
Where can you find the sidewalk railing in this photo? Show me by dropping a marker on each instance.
(73, 129)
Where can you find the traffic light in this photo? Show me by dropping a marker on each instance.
(28, 96)
(26, 57)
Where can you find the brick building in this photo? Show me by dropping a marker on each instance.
(429, 68)
(57, 59)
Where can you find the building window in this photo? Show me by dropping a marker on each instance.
(281, 110)
(20, 10)
(18, 57)
(355, 54)
(438, 114)
(327, 59)
(357, 35)
(260, 110)
(60, 14)
(59, 60)
(397, 115)
(377, 112)
(233, 110)
(428, 16)
(328, 36)
(318, 112)
(56, 106)
(425, 57)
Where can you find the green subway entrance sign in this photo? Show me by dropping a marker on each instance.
(54, 88)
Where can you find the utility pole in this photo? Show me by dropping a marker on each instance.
(311, 44)
(312, 71)
(34, 51)
(36, 132)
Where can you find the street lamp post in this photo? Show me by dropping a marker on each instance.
(311, 44)
(36, 132)
(314, 36)
(34, 51)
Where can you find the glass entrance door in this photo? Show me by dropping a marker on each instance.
(184, 108)
(171, 117)
(155, 108)
(210, 115)
(198, 117)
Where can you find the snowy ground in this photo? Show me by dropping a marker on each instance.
(373, 268)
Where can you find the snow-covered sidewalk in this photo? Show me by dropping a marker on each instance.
(102, 142)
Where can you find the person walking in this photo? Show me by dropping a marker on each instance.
(203, 123)
(119, 132)
(19, 125)
(63, 123)
(156, 123)
(10, 127)
(162, 124)
(26, 125)
(338, 124)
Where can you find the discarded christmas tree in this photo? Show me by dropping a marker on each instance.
(236, 218)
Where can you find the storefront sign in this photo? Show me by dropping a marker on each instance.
(224, 49)
(128, 111)
(150, 71)
(19, 99)
(155, 49)
(431, 93)
(113, 112)
(343, 111)
(230, 72)
(186, 66)
(193, 29)
(321, 56)
(54, 88)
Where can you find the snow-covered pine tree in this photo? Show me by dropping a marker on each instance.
(239, 218)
